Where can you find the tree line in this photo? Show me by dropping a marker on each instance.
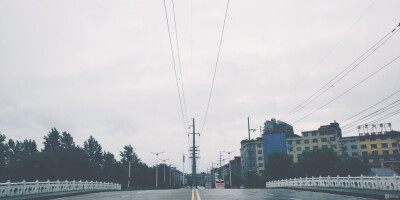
(61, 159)
(321, 162)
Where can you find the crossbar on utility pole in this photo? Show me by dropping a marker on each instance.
(193, 150)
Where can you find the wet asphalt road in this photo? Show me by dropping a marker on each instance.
(205, 194)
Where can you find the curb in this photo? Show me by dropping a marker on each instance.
(47, 196)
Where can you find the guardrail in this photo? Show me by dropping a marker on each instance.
(27, 188)
(391, 183)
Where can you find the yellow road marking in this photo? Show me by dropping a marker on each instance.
(192, 194)
(198, 195)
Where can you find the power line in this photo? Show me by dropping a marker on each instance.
(343, 93)
(343, 73)
(179, 61)
(373, 114)
(336, 45)
(396, 112)
(370, 106)
(173, 61)
(216, 66)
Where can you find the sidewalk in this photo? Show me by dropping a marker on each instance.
(52, 195)
(375, 194)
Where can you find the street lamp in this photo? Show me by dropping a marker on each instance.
(170, 174)
(230, 171)
(157, 153)
(164, 168)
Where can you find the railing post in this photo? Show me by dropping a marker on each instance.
(362, 181)
(377, 182)
(37, 186)
(349, 180)
(396, 186)
(8, 188)
(337, 181)
(329, 181)
(23, 186)
(48, 185)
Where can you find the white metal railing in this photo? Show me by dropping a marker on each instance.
(26, 188)
(391, 183)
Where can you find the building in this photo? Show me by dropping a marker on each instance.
(379, 147)
(349, 147)
(274, 137)
(327, 136)
(249, 158)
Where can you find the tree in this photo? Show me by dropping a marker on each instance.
(321, 162)
(127, 155)
(254, 180)
(352, 167)
(52, 141)
(3, 154)
(94, 151)
(67, 141)
(279, 166)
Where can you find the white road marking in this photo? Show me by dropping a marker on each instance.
(125, 196)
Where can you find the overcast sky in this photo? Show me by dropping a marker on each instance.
(104, 68)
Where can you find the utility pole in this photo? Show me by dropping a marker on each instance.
(164, 168)
(194, 156)
(248, 127)
(170, 174)
(129, 174)
(230, 171)
(157, 153)
(183, 170)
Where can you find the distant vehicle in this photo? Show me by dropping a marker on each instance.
(200, 187)
(242, 187)
(219, 184)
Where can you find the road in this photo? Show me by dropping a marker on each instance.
(205, 194)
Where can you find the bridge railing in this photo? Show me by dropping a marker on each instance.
(27, 188)
(391, 183)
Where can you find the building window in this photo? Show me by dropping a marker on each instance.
(259, 152)
(353, 146)
(289, 142)
(314, 133)
(332, 139)
(307, 148)
(374, 146)
(315, 148)
(333, 146)
(315, 140)
(290, 148)
(375, 153)
(395, 151)
(365, 153)
(306, 141)
(298, 149)
(259, 145)
(363, 146)
(385, 152)
(324, 146)
(324, 139)
(297, 141)
(394, 144)
(259, 158)
(384, 145)
(305, 134)
(260, 165)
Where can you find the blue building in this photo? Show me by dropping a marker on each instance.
(274, 137)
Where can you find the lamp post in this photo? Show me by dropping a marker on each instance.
(157, 153)
(129, 174)
(164, 168)
(230, 171)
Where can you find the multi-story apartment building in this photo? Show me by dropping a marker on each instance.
(327, 136)
(249, 156)
(349, 147)
(376, 148)
(274, 137)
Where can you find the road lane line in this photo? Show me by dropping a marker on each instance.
(198, 195)
(125, 196)
(192, 194)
